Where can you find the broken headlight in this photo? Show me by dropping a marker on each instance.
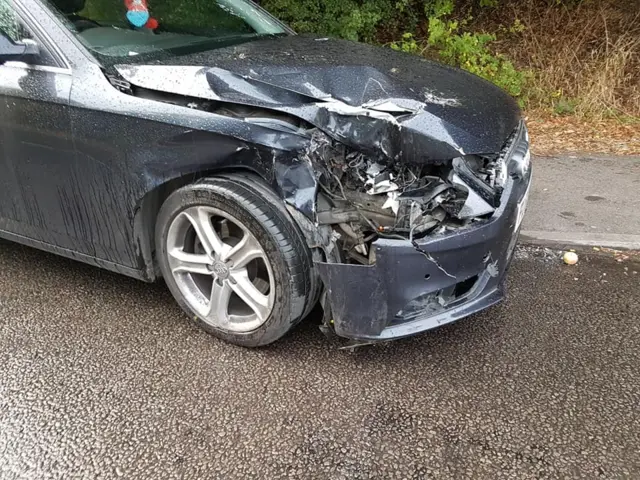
(520, 155)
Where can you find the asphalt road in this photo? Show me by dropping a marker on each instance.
(103, 377)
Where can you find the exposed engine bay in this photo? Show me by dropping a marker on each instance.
(365, 199)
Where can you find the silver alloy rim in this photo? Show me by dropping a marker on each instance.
(220, 269)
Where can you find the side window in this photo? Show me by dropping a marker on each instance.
(16, 30)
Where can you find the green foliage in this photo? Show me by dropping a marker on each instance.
(364, 20)
(471, 50)
(516, 27)
(468, 50)
(408, 44)
(564, 106)
(350, 19)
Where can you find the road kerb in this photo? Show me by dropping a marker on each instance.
(610, 240)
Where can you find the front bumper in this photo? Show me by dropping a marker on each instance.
(414, 288)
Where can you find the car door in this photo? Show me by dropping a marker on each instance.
(35, 133)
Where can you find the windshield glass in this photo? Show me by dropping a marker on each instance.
(132, 31)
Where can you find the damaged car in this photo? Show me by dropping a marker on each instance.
(256, 171)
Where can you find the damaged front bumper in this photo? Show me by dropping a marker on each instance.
(420, 285)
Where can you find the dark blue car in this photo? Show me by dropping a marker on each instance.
(258, 172)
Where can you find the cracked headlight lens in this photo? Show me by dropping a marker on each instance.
(521, 157)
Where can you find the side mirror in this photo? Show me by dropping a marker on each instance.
(10, 50)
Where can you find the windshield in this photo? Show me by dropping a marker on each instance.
(131, 31)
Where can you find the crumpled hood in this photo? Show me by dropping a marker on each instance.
(381, 101)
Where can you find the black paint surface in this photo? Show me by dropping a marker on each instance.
(84, 165)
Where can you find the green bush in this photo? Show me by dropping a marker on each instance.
(471, 50)
(364, 20)
(348, 19)
(468, 50)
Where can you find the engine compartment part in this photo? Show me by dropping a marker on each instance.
(364, 199)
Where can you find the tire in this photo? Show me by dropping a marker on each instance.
(238, 205)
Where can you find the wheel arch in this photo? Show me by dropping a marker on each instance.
(147, 208)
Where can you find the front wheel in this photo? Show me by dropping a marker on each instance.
(233, 259)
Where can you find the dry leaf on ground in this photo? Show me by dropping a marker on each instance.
(552, 135)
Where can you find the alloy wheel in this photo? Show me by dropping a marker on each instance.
(221, 269)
